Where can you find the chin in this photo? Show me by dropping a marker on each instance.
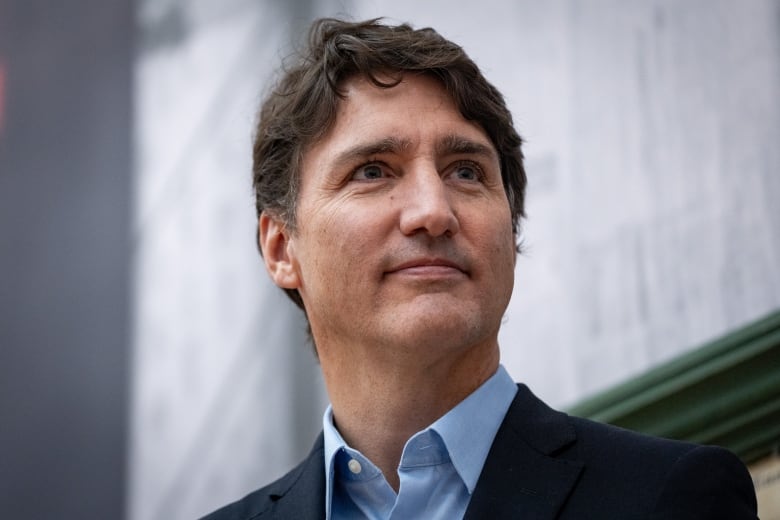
(434, 327)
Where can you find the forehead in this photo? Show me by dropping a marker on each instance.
(415, 110)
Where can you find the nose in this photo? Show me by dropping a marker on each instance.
(427, 206)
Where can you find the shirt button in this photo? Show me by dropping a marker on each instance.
(354, 466)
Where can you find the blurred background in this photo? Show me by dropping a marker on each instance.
(149, 369)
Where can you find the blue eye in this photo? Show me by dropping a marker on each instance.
(368, 172)
(466, 172)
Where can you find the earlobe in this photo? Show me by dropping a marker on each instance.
(278, 253)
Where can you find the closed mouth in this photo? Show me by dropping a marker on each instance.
(427, 266)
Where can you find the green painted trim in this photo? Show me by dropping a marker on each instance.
(726, 392)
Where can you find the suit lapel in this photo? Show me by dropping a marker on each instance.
(526, 474)
(304, 497)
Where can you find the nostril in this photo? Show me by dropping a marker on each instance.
(433, 219)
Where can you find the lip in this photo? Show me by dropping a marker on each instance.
(428, 267)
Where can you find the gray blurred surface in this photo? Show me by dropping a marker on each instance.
(65, 166)
(226, 391)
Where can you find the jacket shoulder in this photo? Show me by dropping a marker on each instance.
(633, 475)
(297, 490)
(257, 502)
(665, 477)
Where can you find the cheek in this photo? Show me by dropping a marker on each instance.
(500, 242)
(341, 249)
(495, 226)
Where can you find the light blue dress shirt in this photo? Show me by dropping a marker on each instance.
(439, 465)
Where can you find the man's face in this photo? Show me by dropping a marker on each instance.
(404, 235)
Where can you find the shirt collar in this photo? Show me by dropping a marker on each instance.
(467, 430)
(334, 442)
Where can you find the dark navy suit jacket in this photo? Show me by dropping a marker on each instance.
(547, 465)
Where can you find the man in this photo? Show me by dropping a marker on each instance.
(390, 184)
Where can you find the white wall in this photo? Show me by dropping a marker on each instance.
(654, 171)
(226, 393)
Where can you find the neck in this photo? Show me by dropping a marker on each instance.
(378, 405)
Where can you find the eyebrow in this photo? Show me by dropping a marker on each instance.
(451, 144)
(380, 146)
(454, 144)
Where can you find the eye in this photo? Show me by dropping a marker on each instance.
(368, 172)
(466, 171)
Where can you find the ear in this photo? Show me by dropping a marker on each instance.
(278, 253)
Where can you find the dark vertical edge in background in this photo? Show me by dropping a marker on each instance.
(65, 185)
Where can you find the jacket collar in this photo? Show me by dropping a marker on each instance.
(302, 493)
(527, 473)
